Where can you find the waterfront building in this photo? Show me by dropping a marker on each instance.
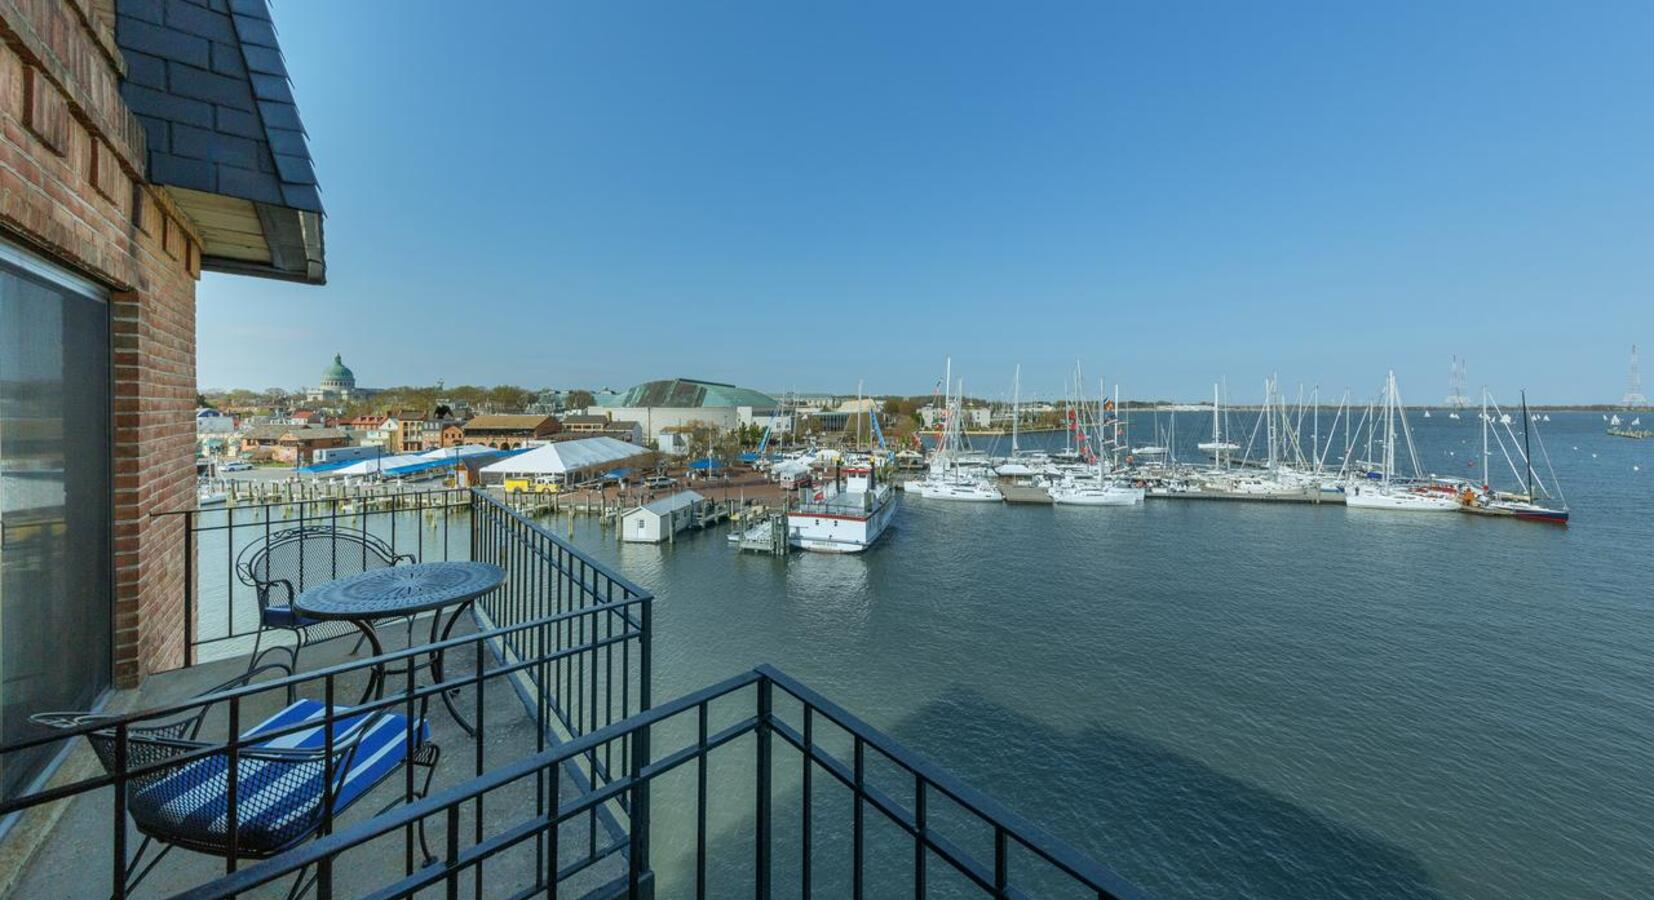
(586, 424)
(659, 520)
(509, 431)
(678, 402)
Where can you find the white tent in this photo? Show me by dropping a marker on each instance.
(456, 451)
(564, 457)
(375, 465)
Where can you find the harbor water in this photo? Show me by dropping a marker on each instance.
(1237, 699)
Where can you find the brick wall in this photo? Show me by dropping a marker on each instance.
(71, 188)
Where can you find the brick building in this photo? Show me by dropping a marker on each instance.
(141, 143)
(507, 432)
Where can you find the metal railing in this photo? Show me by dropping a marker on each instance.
(941, 826)
(545, 575)
(221, 720)
(221, 615)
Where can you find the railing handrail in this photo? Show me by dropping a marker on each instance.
(313, 852)
(618, 579)
(1093, 875)
(173, 709)
(297, 501)
(1041, 842)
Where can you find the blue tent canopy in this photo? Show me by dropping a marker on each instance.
(701, 465)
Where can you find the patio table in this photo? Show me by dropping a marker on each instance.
(403, 591)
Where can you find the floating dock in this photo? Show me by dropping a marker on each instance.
(1307, 495)
(1025, 493)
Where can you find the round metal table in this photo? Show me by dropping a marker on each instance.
(403, 591)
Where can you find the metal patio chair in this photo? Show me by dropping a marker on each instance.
(290, 561)
(281, 793)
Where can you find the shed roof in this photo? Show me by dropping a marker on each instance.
(675, 502)
(568, 456)
(523, 422)
(680, 393)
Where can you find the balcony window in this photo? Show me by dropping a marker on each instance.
(55, 622)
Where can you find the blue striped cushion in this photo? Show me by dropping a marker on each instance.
(279, 802)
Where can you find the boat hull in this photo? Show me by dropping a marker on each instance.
(839, 534)
(1115, 497)
(960, 493)
(1529, 512)
(1373, 497)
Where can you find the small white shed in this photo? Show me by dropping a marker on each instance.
(654, 522)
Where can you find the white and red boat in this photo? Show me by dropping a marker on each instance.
(844, 515)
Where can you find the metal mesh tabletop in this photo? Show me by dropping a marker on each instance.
(399, 591)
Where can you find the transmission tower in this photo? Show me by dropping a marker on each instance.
(1634, 385)
(1455, 386)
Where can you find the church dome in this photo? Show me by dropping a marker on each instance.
(338, 375)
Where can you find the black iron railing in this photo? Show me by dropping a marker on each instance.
(221, 615)
(929, 824)
(218, 723)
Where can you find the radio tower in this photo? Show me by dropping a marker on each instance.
(1634, 385)
(1455, 386)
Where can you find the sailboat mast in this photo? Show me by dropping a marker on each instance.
(1527, 452)
(1487, 477)
(1016, 407)
(1389, 427)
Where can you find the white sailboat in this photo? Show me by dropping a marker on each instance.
(1527, 506)
(1217, 447)
(1385, 492)
(947, 479)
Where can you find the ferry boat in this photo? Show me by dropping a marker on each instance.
(846, 515)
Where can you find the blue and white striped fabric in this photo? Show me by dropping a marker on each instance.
(279, 801)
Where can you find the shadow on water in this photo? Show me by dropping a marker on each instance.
(1172, 826)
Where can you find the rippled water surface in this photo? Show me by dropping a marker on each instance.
(1228, 699)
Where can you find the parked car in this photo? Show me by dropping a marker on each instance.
(659, 481)
(235, 465)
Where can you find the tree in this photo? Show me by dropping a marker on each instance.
(579, 399)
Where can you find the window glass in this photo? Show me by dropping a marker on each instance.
(55, 566)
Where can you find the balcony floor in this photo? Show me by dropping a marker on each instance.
(73, 859)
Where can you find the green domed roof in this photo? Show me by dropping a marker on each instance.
(338, 371)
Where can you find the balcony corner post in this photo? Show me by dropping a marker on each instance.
(761, 831)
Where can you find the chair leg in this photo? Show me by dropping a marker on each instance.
(301, 886)
(425, 791)
(293, 654)
(258, 639)
(131, 880)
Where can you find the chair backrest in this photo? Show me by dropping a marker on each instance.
(187, 804)
(310, 555)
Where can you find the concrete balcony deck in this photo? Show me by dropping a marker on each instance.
(70, 845)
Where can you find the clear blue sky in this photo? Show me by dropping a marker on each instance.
(801, 194)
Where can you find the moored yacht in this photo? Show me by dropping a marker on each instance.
(1095, 493)
(845, 515)
(963, 490)
(1386, 491)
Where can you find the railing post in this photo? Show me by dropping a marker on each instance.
(189, 588)
(120, 810)
(761, 851)
(637, 886)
